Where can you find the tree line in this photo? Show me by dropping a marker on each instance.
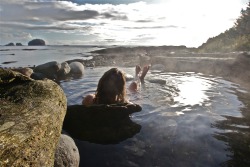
(236, 38)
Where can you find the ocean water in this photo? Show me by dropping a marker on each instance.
(25, 56)
(191, 120)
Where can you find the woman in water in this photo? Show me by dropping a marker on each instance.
(111, 87)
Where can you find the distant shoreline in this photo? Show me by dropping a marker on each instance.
(232, 66)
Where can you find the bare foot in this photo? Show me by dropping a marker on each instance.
(133, 87)
(137, 70)
(144, 72)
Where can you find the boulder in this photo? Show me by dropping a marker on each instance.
(36, 42)
(38, 76)
(103, 124)
(31, 116)
(77, 68)
(64, 70)
(49, 69)
(67, 153)
(25, 71)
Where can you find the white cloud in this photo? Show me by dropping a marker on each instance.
(17, 36)
(172, 22)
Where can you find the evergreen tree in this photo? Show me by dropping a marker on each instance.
(242, 24)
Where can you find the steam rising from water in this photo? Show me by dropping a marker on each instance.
(177, 120)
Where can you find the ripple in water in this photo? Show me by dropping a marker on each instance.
(188, 120)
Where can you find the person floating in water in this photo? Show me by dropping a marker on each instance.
(111, 88)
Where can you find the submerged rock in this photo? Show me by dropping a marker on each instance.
(31, 116)
(67, 153)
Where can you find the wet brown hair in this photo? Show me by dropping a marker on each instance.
(111, 88)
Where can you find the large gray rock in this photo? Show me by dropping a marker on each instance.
(31, 116)
(25, 71)
(64, 70)
(67, 153)
(77, 68)
(49, 69)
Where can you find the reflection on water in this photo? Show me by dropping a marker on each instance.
(188, 120)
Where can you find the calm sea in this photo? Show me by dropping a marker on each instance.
(24, 56)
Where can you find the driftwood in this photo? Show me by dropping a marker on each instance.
(101, 123)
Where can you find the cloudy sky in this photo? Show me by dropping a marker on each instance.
(117, 22)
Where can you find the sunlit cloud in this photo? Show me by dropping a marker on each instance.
(127, 22)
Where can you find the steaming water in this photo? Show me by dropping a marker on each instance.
(191, 120)
(188, 121)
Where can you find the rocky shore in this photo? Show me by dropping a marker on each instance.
(232, 66)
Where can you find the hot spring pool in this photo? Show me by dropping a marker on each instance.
(191, 120)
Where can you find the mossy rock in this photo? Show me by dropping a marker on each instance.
(31, 116)
(104, 124)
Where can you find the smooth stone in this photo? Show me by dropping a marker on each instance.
(25, 71)
(38, 76)
(49, 69)
(64, 70)
(76, 68)
(67, 153)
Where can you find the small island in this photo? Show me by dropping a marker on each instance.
(36, 42)
(10, 44)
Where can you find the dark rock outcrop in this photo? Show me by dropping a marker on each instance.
(19, 44)
(10, 44)
(36, 42)
(31, 116)
(105, 124)
(67, 153)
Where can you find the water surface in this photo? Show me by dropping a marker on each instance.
(24, 56)
(190, 120)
